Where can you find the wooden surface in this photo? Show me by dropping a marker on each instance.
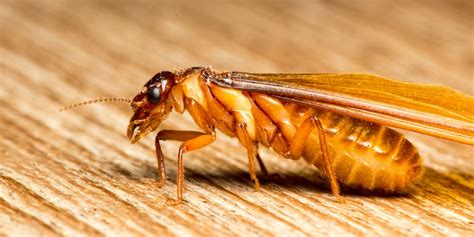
(74, 173)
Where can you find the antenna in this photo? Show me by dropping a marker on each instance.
(105, 99)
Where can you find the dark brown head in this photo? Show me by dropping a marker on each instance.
(151, 105)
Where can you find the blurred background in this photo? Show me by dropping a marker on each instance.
(74, 173)
(130, 40)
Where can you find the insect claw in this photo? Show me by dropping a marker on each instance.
(341, 199)
(173, 202)
(257, 185)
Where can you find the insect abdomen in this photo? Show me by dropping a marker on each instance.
(365, 154)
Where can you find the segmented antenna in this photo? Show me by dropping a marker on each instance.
(106, 99)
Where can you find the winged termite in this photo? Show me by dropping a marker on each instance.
(334, 121)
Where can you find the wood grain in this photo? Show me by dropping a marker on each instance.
(74, 173)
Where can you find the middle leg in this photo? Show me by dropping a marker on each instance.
(252, 152)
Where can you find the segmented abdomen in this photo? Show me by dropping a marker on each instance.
(365, 154)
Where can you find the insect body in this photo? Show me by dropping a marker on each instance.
(336, 122)
(350, 151)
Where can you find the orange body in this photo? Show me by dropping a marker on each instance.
(334, 121)
(363, 154)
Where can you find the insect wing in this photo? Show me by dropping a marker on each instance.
(433, 110)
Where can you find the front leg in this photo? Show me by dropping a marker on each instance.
(192, 140)
(173, 135)
(189, 145)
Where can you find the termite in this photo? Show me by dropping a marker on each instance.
(336, 122)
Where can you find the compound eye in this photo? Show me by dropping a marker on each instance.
(154, 95)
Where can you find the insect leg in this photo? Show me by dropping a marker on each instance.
(169, 135)
(161, 162)
(298, 142)
(252, 152)
(189, 145)
(327, 160)
(192, 141)
(299, 139)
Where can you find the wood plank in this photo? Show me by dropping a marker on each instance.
(74, 173)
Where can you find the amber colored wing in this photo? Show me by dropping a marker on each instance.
(433, 110)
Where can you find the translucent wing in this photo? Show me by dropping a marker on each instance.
(433, 110)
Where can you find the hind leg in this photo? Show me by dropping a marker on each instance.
(298, 142)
